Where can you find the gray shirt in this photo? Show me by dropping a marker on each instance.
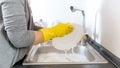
(18, 26)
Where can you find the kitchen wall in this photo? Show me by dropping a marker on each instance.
(108, 25)
(91, 9)
(57, 10)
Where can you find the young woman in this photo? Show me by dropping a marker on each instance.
(18, 32)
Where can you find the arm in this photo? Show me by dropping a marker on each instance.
(38, 37)
(16, 26)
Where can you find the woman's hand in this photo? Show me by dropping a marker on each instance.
(59, 30)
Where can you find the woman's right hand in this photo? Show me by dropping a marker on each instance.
(58, 30)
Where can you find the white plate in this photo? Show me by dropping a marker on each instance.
(69, 41)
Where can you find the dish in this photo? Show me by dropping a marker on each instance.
(69, 41)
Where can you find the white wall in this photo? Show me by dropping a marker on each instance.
(103, 23)
(57, 10)
(91, 9)
(108, 32)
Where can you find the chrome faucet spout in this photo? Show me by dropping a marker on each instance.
(73, 9)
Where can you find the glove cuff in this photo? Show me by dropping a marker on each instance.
(47, 34)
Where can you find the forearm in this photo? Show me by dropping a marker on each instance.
(38, 37)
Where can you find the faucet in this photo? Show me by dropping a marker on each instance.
(84, 37)
(73, 9)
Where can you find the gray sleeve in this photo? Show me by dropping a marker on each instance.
(36, 27)
(15, 24)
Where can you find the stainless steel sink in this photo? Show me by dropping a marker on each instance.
(80, 55)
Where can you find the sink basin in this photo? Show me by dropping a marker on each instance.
(46, 54)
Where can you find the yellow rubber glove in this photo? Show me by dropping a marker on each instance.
(59, 30)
